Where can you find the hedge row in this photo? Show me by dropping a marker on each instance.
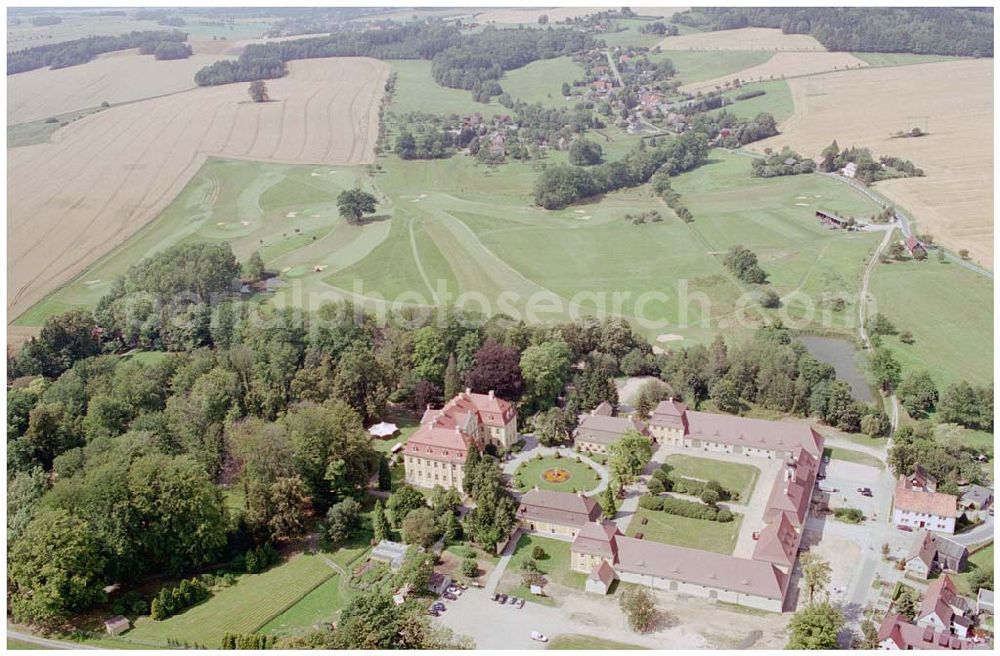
(746, 95)
(685, 508)
(171, 601)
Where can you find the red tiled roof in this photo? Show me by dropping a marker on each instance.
(700, 567)
(598, 538)
(604, 573)
(792, 489)
(932, 503)
(738, 431)
(603, 429)
(905, 635)
(938, 599)
(564, 508)
(778, 543)
(442, 434)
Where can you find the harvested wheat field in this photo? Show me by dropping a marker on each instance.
(115, 77)
(784, 65)
(952, 101)
(528, 15)
(105, 176)
(747, 38)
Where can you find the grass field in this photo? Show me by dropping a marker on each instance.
(41, 130)
(319, 606)
(776, 101)
(916, 295)
(899, 58)
(732, 476)
(782, 65)
(857, 457)
(582, 476)
(555, 567)
(696, 66)
(416, 91)
(541, 81)
(243, 608)
(13, 643)
(572, 641)
(982, 558)
(719, 537)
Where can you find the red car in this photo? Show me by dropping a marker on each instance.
(904, 527)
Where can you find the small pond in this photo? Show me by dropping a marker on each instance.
(843, 356)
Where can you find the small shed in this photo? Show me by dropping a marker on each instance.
(984, 601)
(438, 583)
(601, 578)
(117, 625)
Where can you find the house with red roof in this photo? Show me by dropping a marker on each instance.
(436, 453)
(918, 504)
(944, 621)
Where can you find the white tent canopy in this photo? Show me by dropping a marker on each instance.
(383, 429)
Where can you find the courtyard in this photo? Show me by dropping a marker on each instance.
(702, 534)
(561, 474)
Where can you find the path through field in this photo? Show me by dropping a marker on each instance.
(105, 176)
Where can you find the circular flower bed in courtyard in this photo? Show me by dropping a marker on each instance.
(555, 475)
(564, 474)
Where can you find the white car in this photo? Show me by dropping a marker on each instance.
(540, 637)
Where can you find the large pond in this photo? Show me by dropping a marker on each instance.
(843, 356)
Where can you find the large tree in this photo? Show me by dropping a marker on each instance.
(817, 626)
(56, 568)
(545, 369)
(353, 204)
(816, 574)
(496, 367)
(628, 456)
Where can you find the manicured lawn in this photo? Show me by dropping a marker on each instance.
(319, 606)
(407, 422)
(982, 558)
(857, 457)
(732, 476)
(555, 567)
(572, 641)
(253, 601)
(684, 532)
(582, 476)
(416, 91)
(915, 295)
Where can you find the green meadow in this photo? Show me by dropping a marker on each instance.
(541, 81)
(697, 66)
(949, 311)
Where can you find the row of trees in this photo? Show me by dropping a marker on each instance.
(925, 30)
(81, 51)
(560, 185)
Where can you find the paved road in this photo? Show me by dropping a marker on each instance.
(46, 643)
(491, 584)
(981, 533)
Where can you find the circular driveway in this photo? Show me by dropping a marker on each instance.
(532, 449)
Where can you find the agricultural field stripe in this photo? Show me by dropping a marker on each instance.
(297, 599)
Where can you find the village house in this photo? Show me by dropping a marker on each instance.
(916, 248)
(597, 431)
(917, 504)
(436, 453)
(933, 553)
(944, 621)
(556, 513)
(943, 609)
(672, 423)
(975, 500)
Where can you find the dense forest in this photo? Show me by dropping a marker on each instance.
(267, 60)
(81, 51)
(921, 30)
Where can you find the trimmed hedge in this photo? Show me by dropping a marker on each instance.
(746, 95)
(170, 601)
(685, 508)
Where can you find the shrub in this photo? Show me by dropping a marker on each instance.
(849, 515)
(170, 601)
(470, 568)
(724, 515)
(538, 553)
(655, 486)
(746, 95)
(649, 502)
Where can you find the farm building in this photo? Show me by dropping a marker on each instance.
(556, 513)
(917, 504)
(933, 553)
(916, 248)
(832, 220)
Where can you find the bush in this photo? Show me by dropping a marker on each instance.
(655, 486)
(724, 515)
(649, 502)
(470, 568)
(746, 95)
(849, 515)
(690, 509)
(538, 553)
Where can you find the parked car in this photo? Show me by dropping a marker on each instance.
(512, 601)
(502, 598)
(904, 527)
(820, 476)
(438, 606)
(455, 590)
(432, 612)
(494, 597)
(865, 492)
(520, 603)
(449, 596)
(539, 636)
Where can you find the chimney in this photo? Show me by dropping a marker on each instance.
(786, 490)
(491, 394)
(789, 474)
(468, 390)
